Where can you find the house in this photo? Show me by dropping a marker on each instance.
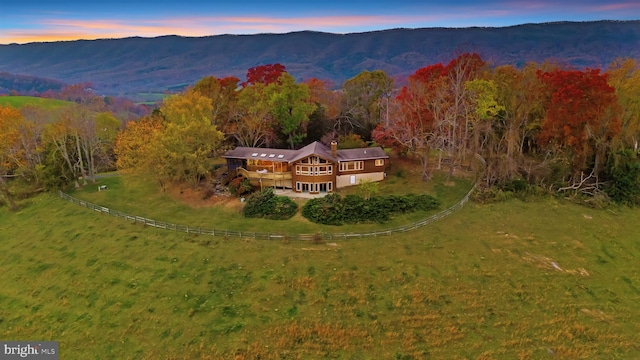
(314, 168)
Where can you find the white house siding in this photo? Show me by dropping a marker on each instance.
(345, 180)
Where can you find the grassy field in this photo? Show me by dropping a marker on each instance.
(513, 280)
(149, 98)
(170, 206)
(21, 101)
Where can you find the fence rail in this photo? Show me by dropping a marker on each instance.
(274, 236)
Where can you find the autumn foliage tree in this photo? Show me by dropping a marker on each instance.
(10, 121)
(134, 146)
(624, 76)
(223, 95)
(178, 148)
(412, 127)
(581, 118)
(264, 74)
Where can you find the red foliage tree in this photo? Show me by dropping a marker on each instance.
(412, 128)
(264, 74)
(467, 66)
(582, 116)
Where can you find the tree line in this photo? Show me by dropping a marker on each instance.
(541, 124)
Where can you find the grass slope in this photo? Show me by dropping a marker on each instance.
(534, 280)
(163, 206)
(22, 101)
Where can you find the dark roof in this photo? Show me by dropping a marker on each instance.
(315, 148)
(278, 155)
(362, 154)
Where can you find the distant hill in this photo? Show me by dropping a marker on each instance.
(25, 84)
(132, 65)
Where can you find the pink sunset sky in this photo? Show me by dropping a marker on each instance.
(38, 21)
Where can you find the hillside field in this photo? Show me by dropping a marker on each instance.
(512, 280)
(21, 101)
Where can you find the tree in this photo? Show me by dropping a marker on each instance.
(290, 107)
(327, 101)
(174, 144)
(582, 116)
(322, 95)
(253, 126)
(264, 74)
(133, 146)
(416, 113)
(455, 126)
(61, 137)
(351, 141)
(10, 120)
(624, 76)
(365, 102)
(224, 97)
(484, 112)
(28, 153)
(189, 138)
(82, 93)
(367, 188)
(515, 128)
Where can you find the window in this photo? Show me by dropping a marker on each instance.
(314, 170)
(329, 186)
(303, 170)
(298, 186)
(324, 170)
(351, 165)
(379, 162)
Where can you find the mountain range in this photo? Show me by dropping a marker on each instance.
(135, 65)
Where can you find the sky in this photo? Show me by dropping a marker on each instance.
(24, 21)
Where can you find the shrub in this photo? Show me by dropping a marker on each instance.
(352, 209)
(624, 184)
(270, 206)
(240, 186)
(327, 210)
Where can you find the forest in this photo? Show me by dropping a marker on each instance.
(541, 127)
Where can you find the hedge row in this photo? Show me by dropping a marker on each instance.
(352, 209)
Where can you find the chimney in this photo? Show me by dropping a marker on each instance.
(334, 149)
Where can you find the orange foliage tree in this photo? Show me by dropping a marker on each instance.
(10, 120)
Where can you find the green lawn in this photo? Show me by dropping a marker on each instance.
(535, 280)
(21, 101)
(152, 203)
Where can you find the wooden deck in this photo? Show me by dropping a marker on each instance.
(274, 179)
